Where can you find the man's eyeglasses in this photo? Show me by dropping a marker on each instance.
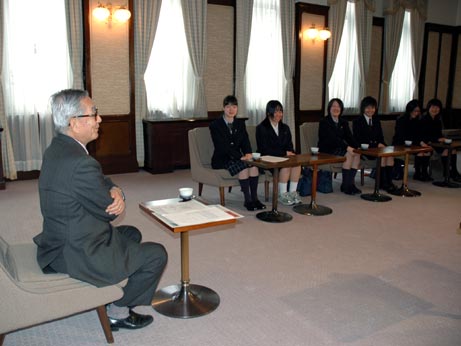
(94, 115)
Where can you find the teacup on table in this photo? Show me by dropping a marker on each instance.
(256, 156)
(185, 193)
(314, 150)
(448, 141)
(364, 146)
(408, 143)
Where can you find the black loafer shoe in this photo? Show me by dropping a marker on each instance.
(250, 206)
(258, 205)
(133, 321)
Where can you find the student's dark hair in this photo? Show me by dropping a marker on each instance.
(273, 106)
(434, 102)
(230, 100)
(368, 101)
(411, 106)
(330, 104)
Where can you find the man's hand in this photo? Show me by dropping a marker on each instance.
(118, 206)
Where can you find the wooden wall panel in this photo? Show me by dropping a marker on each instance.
(219, 74)
(312, 66)
(431, 66)
(374, 78)
(444, 68)
(109, 67)
(457, 80)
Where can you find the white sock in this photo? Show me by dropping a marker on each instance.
(293, 186)
(117, 312)
(282, 188)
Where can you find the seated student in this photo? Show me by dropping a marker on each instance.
(431, 132)
(231, 146)
(335, 138)
(274, 138)
(367, 129)
(408, 128)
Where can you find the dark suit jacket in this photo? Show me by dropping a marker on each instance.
(363, 133)
(334, 136)
(228, 146)
(77, 236)
(269, 143)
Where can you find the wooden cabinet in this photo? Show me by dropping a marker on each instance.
(166, 144)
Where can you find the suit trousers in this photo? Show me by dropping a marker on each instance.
(143, 283)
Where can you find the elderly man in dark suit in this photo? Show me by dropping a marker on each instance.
(78, 204)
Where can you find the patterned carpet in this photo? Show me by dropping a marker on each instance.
(381, 274)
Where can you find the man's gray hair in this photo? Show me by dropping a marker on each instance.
(64, 105)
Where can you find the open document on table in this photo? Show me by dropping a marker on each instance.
(192, 213)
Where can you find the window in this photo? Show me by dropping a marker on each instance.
(345, 79)
(402, 83)
(36, 64)
(264, 72)
(169, 77)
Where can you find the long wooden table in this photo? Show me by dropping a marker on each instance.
(313, 208)
(391, 151)
(446, 181)
(185, 300)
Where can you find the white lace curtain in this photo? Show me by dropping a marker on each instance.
(33, 68)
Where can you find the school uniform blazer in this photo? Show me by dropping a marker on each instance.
(407, 129)
(364, 133)
(228, 146)
(269, 143)
(334, 136)
(77, 236)
(431, 128)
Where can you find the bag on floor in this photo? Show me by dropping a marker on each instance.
(305, 182)
(324, 181)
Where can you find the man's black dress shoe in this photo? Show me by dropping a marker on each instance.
(133, 321)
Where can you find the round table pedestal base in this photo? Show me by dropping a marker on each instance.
(404, 191)
(274, 216)
(312, 209)
(448, 184)
(375, 197)
(185, 301)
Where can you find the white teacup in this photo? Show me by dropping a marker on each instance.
(364, 146)
(408, 143)
(186, 193)
(314, 150)
(256, 156)
(448, 141)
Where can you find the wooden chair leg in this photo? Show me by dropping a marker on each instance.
(362, 176)
(102, 314)
(221, 195)
(335, 175)
(2, 338)
(200, 188)
(230, 189)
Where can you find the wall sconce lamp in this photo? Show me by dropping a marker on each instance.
(315, 34)
(107, 12)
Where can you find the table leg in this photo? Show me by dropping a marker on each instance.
(185, 300)
(313, 208)
(447, 182)
(376, 196)
(404, 191)
(274, 215)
